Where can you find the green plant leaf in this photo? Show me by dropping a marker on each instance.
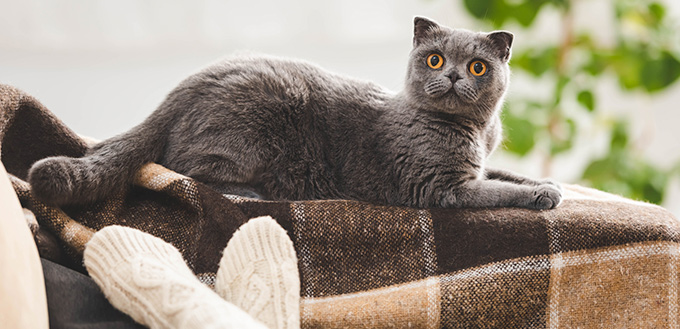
(619, 138)
(599, 171)
(520, 134)
(657, 12)
(478, 8)
(525, 13)
(655, 183)
(536, 62)
(497, 12)
(562, 81)
(657, 74)
(627, 63)
(597, 64)
(587, 99)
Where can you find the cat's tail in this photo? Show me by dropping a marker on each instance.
(107, 168)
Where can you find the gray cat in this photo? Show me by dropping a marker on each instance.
(288, 130)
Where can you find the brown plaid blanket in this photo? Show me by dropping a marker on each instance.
(597, 261)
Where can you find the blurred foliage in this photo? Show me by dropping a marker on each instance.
(643, 58)
(622, 172)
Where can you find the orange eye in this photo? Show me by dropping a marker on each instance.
(435, 61)
(477, 68)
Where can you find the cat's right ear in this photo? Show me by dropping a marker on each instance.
(502, 41)
(421, 27)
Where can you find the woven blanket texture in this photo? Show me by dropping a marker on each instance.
(596, 261)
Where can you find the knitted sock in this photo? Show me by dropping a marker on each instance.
(258, 272)
(147, 278)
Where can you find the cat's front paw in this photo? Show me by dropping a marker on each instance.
(547, 196)
(549, 181)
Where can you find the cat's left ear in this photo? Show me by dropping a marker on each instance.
(502, 41)
(421, 28)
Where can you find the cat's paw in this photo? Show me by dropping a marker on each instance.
(51, 180)
(549, 181)
(547, 196)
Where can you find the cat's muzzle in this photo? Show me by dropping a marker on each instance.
(438, 87)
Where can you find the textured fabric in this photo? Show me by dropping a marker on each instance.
(596, 261)
(258, 273)
(147, 278)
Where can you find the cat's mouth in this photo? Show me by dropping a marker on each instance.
(466, 93)
(440, 87)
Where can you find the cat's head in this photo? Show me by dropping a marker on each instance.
(458, 71)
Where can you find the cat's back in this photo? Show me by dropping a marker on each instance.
(276, 91)
(266, 79)
(270, 95)
(288, 119)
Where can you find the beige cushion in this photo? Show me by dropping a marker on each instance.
(22, 288)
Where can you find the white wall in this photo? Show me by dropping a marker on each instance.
(103, 66)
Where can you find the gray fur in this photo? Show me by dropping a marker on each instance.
(289, 130)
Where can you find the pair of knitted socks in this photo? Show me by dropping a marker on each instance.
(257, 284)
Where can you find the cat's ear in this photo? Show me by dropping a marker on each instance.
(421, 27)
(502, 41)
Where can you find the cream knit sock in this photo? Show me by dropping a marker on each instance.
(147, 278)
(258, 272)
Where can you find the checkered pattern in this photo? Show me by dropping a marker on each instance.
(597, 261)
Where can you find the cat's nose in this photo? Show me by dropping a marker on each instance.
(453, 76)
